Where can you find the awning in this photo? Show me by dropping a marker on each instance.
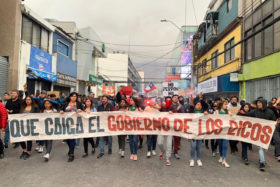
(37, 74)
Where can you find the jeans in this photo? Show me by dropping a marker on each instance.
(244, 150)
(223, 146)
(133, 144)
(176, 143)
(196, 145)
(29, 145)
(261, 155)
(91, 141)
(48, 144)
(168, 143)
(71, 144)
(152, 142)
(78, 142)
(41, 142)
(121, 141)
(7, 135)
(101, 143)
(276, 138)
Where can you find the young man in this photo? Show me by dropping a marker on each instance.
(105, 107)
(264, 113)
(3, 121)
(5, 98)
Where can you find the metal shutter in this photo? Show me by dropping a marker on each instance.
(4, 74)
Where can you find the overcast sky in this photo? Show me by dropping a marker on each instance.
(128, 21)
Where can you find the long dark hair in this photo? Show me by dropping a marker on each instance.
(126, 104)
(136, 101)
(71, 95)
(220, 106)
(44, 108)
(242, 107)
(23, 104)
(86, 99)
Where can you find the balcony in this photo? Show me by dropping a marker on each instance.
(66, 66)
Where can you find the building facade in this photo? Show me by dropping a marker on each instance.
(217, 47)
(260, 75)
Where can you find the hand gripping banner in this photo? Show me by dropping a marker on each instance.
(56, 126)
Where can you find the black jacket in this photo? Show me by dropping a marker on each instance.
(265, 113)
(102, 108)
(13, 105)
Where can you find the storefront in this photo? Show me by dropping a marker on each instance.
(65, 83)
(40, 76)
(221, 86)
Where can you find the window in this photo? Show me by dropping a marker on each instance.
(268, 40)
(229, 5)
(63, 48)
(204, 66)
(277, 35)
(258, 42)
(229, 50)
(214, 60)
(257, 16)
(198, 69)
(34, 34)
(248, 46)
(267, 8)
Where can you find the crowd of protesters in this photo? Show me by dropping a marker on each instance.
(22, 102)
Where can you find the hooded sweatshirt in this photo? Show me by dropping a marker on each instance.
(264, 113)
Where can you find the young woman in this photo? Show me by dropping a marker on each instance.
(223, 144)
(28, 106)
(133, 139)
(196, 145)
(243, 112)
(88, 109)
(48, 108)
(71, 105)
(121, 138)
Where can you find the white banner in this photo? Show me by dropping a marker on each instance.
(55, 126)
(208, 86)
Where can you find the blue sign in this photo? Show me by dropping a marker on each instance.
(35, 74)
(40, 60)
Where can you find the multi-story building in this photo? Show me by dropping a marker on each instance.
(260, 75)
(26, 39)
(217, 49)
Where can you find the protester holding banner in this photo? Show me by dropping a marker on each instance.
(196, 145)
(105, 107)
(133, 139)
(3, 121)
(48, 108)
(71, 105)
(176, 107)
(264, 113)
(223, 143)
(166, 139)
(28, 106)
(89, 107)
(121, 138)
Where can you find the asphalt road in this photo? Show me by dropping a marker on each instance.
(111, 170)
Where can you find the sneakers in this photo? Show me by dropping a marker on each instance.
(120, 151)
(85, 155)
(154, 153)
(246, 161)
(226, 164)
(149, 154)
(213, 154)
(41, 149)
(22, 155)
(177, 156)
(122, 154)
(37, 148)
(93, 151)
(135, 158)
(192, 163)
(262, 166)
(161, 155)
(100, 155)
(26, 156)
(46, 157)
(199, 163)
(131, 157)
(71, 158)
(167, 162)
(220, 160)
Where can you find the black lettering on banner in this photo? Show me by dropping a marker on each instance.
(14, 126)
(48, 129)
(91, 124)
(57, 126)
(63, 126)
(80, 126)
(33, 127)
(69, 123)
(98, 125)
(22, 127)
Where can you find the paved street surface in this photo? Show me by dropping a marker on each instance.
(111, 170)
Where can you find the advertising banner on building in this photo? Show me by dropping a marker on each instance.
(108, 90)
(40, 60)
(208, 86)
(169, 88)
(54, 126)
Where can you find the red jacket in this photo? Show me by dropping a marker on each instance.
(3, 116)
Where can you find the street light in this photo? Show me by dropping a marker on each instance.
(165, 20)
